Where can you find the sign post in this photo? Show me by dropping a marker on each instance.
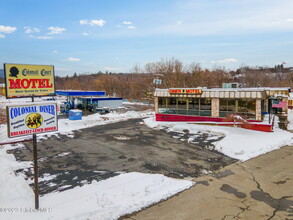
(36, 185)
(36, 175)
(22, 80)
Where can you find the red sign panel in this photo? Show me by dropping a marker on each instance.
(185, 91)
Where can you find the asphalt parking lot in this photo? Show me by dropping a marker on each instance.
(130, 146)
(260, 188)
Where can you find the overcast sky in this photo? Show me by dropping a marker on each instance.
(114, 35)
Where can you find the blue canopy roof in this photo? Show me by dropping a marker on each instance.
(100, 98)
(80, 93)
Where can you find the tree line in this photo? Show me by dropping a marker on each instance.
(138, 84)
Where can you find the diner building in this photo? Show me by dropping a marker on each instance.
(217, 104)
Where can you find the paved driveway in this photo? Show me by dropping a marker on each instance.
(103, 151)
(260, 188)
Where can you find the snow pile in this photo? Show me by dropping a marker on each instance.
(135, 103)
(14, 190)
(111, 198)
(238, 143)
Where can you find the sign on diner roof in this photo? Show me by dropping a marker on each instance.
(185, 91)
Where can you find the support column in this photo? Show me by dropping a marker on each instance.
(285, 99)
(156, 104)
(215, 107)
(258, 110)
(266, 105)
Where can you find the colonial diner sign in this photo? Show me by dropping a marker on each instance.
(23, 80)
(185, 91)
(31, 119)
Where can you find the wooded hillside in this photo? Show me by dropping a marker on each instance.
(139, 83)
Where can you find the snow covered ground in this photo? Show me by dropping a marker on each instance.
(238, 143)
(107, 199)
(127, 192)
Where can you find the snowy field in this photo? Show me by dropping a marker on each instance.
(127, 192)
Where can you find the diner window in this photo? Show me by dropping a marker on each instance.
(223, 105)
(227, 106)
(171, 103)
(162, 104)
(251, 109)
(247, 108)
(231, 105)
(171, 106)
(205, 104)
(205, 107)
(200, 107)
(193, 106)
(182, 106)
(193, 103)
(185, 106)
(242, 105)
